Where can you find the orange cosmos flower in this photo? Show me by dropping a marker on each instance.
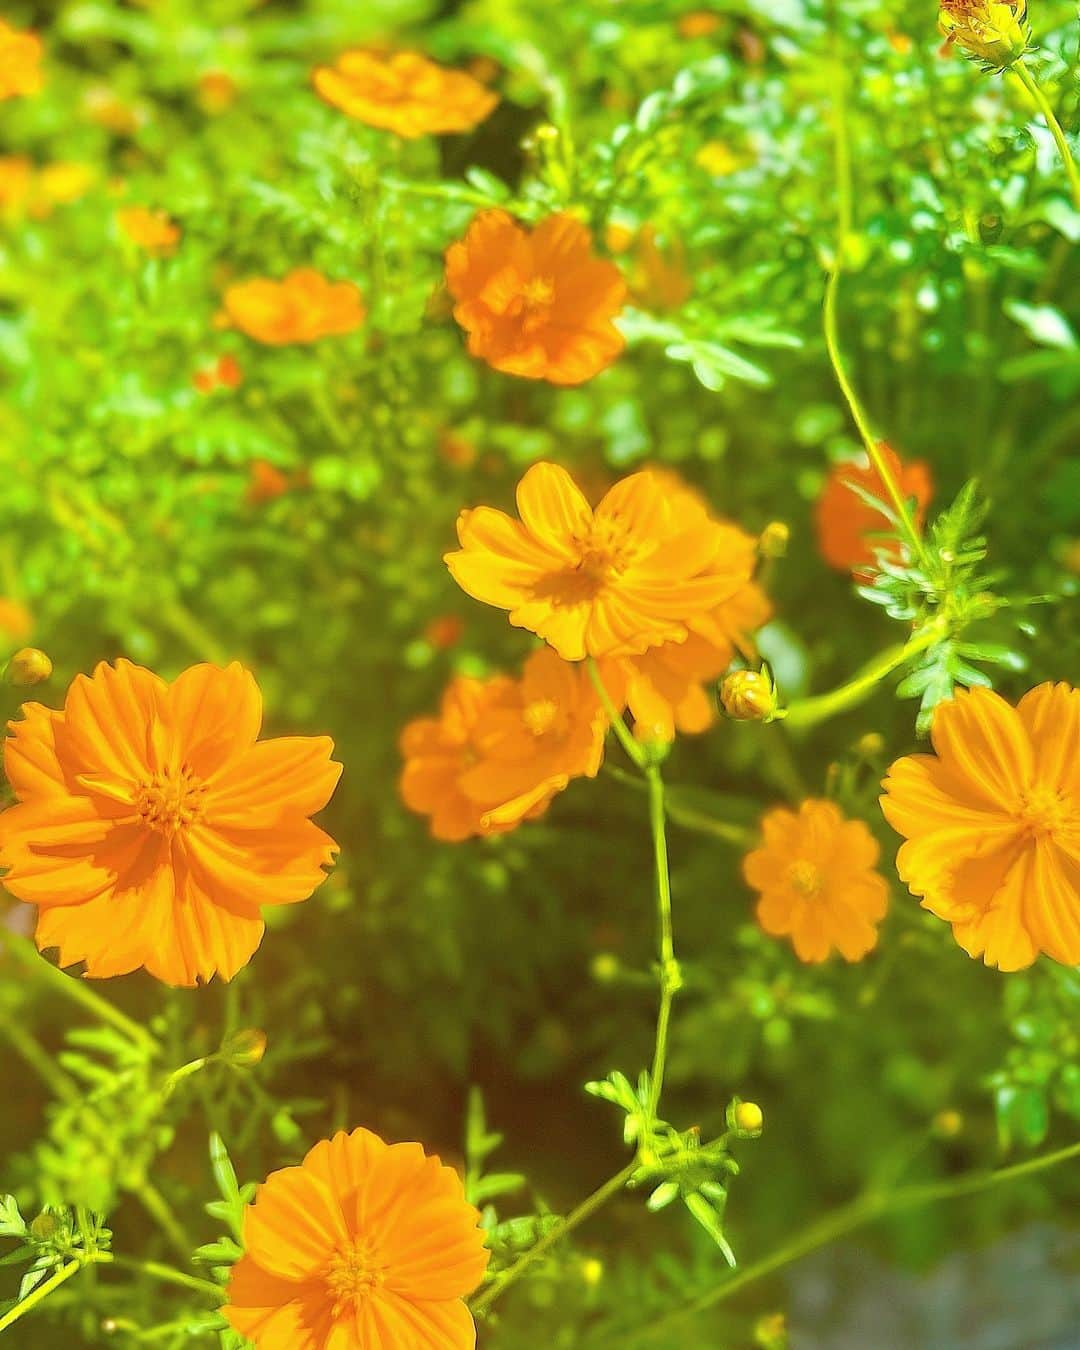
(224, 373)
(502, 749)
(16, 621)
(266, 483)
(438, 751)
(364, 1246)
(815, 873)
(303, 307)
(20, 62)
(993, 824)
(404, 92)
(698, 23)
(847, 524)
(153, 231)
(150, 826)
(536, 303)
(665, 687)
(641, 569)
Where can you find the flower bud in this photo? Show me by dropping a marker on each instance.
(592, 1271)
(993, 33)
(750, 696)
(746, 1117)
(44, 1227)
(244, 1048)
(605, 967)
(29, 666)
(773, 540)
(948, 1124)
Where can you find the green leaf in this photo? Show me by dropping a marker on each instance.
(12, 1223)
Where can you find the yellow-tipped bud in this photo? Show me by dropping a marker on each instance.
(592, 1271)
(773, 540)
(870, 745)
(770, 1332)
(750, 696)
(994, 33)
(605, 967)
(948, 1123)
(29, 666)
(748, 1117)
(244, 1048)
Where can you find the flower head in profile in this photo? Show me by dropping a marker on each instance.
(536, 303)
(502, 749)
(303, 307)
(155, 232)
(639, 570)
(848, 526)
(20, 62)
(992, 823)
(817, 883)
(151, 824)
(994, 33)
(404, 92)
(364, 1246)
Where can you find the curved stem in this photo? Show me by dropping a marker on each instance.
(858, 1212)
(161, 1212)
(585, 1210)
(42, 1291)
(168, 1275)
(622, 732)
(845, 215)
(1027, 79)
(807, 712)
(76, 990)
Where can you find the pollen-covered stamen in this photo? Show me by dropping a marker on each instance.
(805, 878)
(171, 800)
(540, 716)
(534, 305)
(606, 549)
(354, 1273)
(1042, 811)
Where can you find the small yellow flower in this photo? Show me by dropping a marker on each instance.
(748, 1117)
(995, 33)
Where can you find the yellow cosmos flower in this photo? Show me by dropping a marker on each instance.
(639, 570)
(995, 33)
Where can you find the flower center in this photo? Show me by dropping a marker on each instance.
(805, 878)
(170, 800)
(537, 297)
(1042, 811)
(540, 715)
(606, 550)
(353, 1273)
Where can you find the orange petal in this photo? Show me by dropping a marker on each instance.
(1051, 715)
(30, 760)
(294, 1226)
(214, 715)
(553, 508)
(286, 774)
(388, 1322)
(982, 738)
(108, 717)
(276, 1314)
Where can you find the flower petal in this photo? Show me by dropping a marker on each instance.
(295, 1225)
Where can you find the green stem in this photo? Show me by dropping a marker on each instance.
(75, 990)
(1027, 79)
(42, 1291)
(670, 977)
(845, 216)
(160, 1211)
(38, 1059)
(860, 1211)
(168, 1275)
(625, 737)
(807, 712)
(687, 817)
(574, 1219)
